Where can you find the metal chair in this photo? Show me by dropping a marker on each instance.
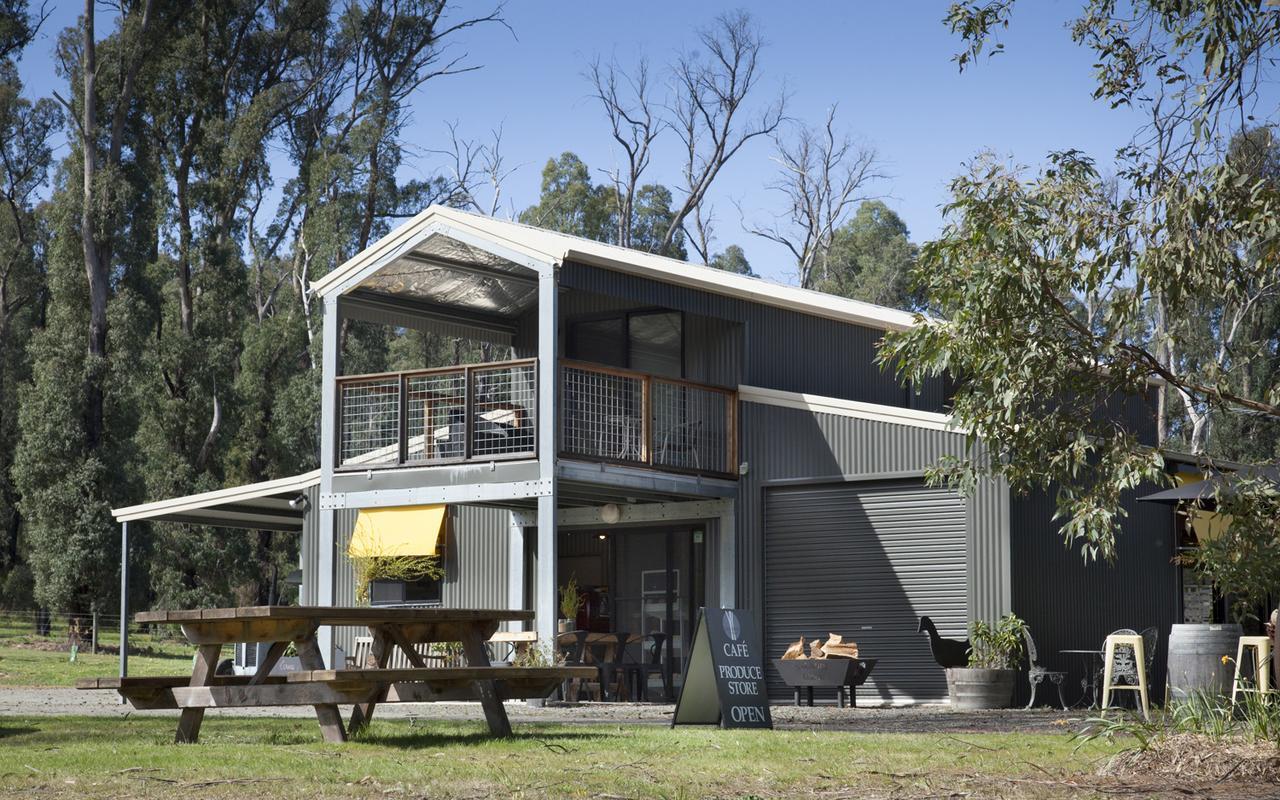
(653, 659)
(1037, 674)
(681, 440)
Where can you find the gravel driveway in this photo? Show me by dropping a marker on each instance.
(904, 719)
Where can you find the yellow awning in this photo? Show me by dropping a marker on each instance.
(397, 531)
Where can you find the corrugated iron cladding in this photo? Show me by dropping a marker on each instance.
(780, 349)
(783, 444)
(476, 555)
(1073, 605)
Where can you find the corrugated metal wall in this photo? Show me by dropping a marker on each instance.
(476, 558)
(1073, 605)
(781, 349)
(784, 445)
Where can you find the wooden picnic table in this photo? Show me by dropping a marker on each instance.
(213, 628)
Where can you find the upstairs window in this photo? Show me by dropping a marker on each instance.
(645, 341)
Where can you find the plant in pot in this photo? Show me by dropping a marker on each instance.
(995, 651)
(570, 604)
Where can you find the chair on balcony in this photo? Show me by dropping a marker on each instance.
(680, 442)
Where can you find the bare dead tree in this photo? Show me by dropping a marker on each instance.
(823, 175)
(629, 107)
(709, 92)
(472, 165)
(706, 105)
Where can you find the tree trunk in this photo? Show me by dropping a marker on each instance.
(95, 268)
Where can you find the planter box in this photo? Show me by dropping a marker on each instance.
(973, 689)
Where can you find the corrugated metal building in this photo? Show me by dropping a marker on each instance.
(822, 522)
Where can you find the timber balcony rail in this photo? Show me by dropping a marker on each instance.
(488, 412)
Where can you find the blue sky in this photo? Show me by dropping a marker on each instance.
(887, 66)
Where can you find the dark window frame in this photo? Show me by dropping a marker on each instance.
(625, 318)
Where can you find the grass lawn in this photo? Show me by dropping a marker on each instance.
(266, 758)
(22, 667)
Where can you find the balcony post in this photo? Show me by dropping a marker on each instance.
(326, 538)
(548, 369)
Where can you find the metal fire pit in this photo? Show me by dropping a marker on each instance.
(825, 673)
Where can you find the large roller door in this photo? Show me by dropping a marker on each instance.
(866, 560)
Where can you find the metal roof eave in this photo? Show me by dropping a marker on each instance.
(532, 247)
(236, 503)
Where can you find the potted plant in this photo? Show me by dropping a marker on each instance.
(570, 604)
(994, 654)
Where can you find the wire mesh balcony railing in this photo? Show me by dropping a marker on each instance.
(481, 412)
(631, 417)
(488, 412)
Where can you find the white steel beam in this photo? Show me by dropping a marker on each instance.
(548, 365)
(435, 495)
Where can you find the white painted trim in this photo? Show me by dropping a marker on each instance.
(873, 412)
(538, 248)
(234, 494)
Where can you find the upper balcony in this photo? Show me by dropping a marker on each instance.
(488, 412)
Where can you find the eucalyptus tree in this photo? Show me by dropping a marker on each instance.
(1069, 289)
(25, 156)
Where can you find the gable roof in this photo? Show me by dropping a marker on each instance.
(554, 248)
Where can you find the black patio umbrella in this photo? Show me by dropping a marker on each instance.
(1222, 484)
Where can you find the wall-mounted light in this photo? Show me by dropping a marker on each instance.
(299, 502)
(602, 537)
(610, 513)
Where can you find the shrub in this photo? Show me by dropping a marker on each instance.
(997, 646)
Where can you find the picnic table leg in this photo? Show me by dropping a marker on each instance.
(362, 713)
(201, 675)
(326, 713)
(494, 713)
(268, 662)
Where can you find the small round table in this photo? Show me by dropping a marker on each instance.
(1089, 683)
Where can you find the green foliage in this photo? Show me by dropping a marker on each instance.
(871, 258)
(570, 599)
(18, 588)
(370, 568)
(1245, 558)
(732, 259)
(996, 646)
(1075, 296)
(571, 203)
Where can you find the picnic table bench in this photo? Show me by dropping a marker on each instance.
(211, 629)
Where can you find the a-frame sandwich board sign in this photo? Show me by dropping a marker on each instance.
(724, 674)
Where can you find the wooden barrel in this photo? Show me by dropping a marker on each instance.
(972, 689)
(1195, 659)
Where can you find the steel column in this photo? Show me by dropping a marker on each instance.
(124, 601)
(548, 426)
(325, 539)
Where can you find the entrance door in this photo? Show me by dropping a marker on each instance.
(639, 581)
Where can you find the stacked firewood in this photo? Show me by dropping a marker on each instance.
(834, 647)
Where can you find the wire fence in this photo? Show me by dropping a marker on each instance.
(89, 633)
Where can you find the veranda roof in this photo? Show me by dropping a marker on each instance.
(256, 506)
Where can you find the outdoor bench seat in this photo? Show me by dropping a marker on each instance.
(444, 683)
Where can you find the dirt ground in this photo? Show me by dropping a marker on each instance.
(881, 719)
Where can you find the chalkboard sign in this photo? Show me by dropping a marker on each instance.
(724, 674)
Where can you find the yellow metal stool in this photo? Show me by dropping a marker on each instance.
(1130, 645)
(1261, 647)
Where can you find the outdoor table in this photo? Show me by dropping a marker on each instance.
(211, 629)
(608, 644)
(1089, 683)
